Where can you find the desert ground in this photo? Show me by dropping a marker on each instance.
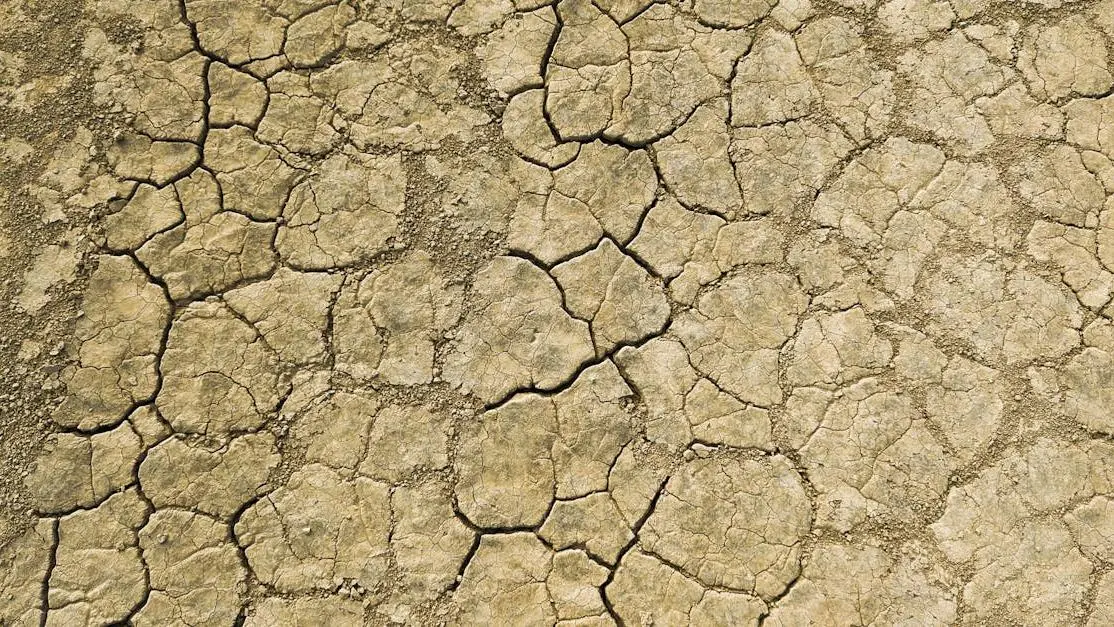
(556, 312)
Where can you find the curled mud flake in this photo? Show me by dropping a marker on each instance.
(771, 84)
(645, 589)
(863, 585)
(837, 348)
(318, 529)
(196, 577)
(409, 306)
(854, 88)
(235, 97)
(573, 587)
(219, 375)
(520, 336)
(25, 562)
(99, 574)
(1065, 58)
(316, 37)
(525, 128)
(332, 610)
(694, 162)
(290, 310)
(215, 478)
(505, 582)
(76, 471)
(429, 542)
(344, 214)
(593, 522)
(296, 119)
(876, 443)
(119, 339)
(735, 523)
(504, 466)
(512, 55)
(1015, 316)
(237, 32)
(254, 179)
(623, 303)
(736, 330)
(139, 158)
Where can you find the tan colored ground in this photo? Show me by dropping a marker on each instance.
(577, 312)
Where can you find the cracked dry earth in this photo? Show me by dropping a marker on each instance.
(574, 312)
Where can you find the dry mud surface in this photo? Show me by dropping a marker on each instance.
(576, 312)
